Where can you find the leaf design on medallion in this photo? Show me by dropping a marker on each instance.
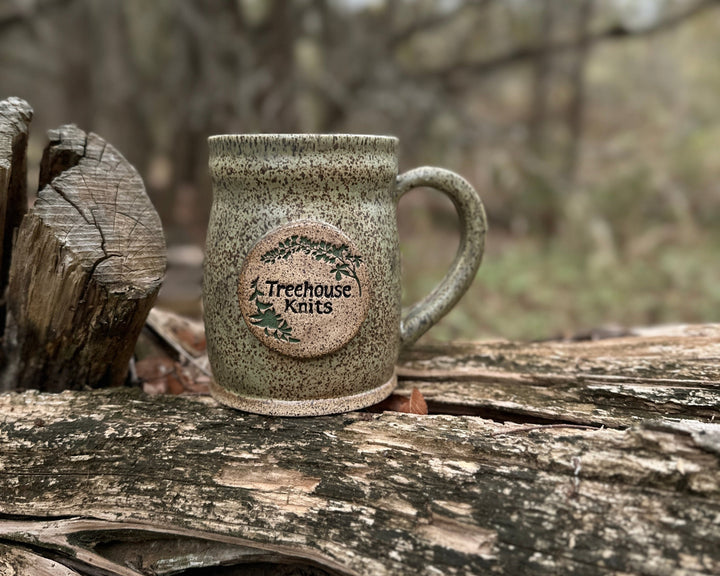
(268, 318)
(344, 262)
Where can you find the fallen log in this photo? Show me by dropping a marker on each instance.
(87, 265)
(659, 372)
(118, 482)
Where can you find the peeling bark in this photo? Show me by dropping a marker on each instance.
(17, 561)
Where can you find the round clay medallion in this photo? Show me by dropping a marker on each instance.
(304, 289)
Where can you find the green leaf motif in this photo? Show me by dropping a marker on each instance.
(345, 262)
(256, 291)
(273, 324)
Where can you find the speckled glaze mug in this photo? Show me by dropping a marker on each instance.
(301, 284)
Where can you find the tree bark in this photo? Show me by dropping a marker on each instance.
(116, 482)
(87, 266)
(15, 116)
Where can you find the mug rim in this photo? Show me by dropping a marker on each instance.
(301, 136)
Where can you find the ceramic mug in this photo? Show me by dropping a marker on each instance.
(301, 283)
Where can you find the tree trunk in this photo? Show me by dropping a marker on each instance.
(87, 265)
(577, 104)
(541, 76)
(541, 174)
(590, 457)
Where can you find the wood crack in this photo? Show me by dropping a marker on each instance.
(59, 191)
(561, 382)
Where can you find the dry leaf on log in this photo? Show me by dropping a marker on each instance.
(163, 375)
(415, 404)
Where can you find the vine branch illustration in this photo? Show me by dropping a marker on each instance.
(339, 255)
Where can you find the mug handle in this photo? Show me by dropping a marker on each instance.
(473, 225)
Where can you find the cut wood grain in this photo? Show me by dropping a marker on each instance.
(84, 473)
(15, 116)
(87, 265)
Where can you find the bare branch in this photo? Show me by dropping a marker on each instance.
(523, 54)
(432, 21)
(18, 13)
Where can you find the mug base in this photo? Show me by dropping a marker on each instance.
(315, 407)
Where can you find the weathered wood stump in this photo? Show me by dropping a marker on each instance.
(548, 458)
(87, 265)
(15, 116)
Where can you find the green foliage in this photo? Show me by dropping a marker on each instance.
(627, 202)
(525, 291)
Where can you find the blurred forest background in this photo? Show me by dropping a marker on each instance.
(591, 129)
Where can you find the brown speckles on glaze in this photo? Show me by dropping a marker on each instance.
(262, 183)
